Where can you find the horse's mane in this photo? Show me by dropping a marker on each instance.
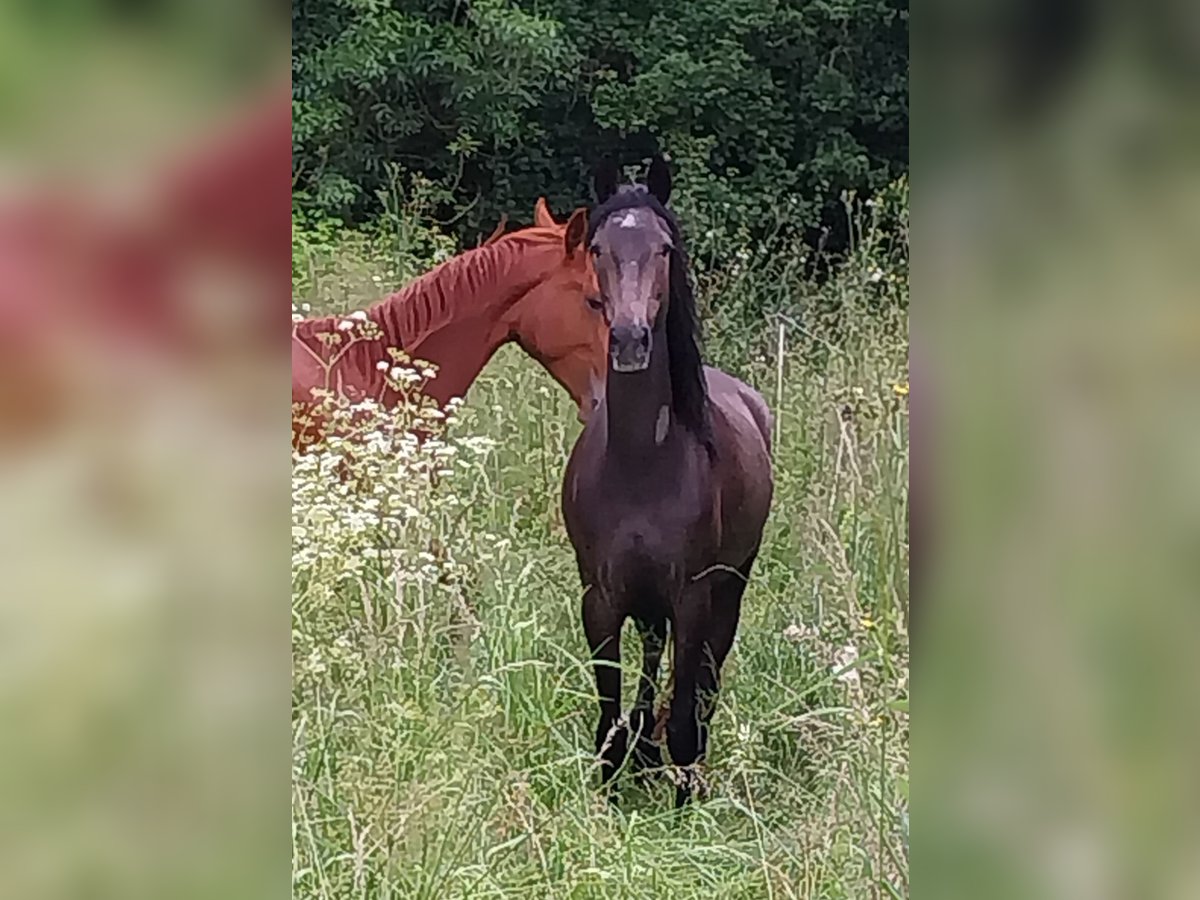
(433, 300)
(689, 390)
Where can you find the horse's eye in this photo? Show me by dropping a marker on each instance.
(595, 250)
(666, 250)
(594, 301)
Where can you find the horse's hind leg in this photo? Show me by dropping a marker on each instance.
(602, 625)
(653, 632)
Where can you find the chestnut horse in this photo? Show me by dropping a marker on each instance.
(667, 489)
(535, 286)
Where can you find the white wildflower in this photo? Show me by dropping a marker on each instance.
(404, 376)
(844, 661)
(359, 314)
(345, 325)
(314, 664)
(382, 365)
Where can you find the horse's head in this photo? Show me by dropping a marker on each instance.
(632, 243)
(559, 323)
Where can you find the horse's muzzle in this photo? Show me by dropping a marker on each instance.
(629, 348)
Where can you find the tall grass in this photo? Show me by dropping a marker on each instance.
(443, 719)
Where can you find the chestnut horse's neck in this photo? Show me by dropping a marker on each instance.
(455, 316)
(639, 405)
(480, 284)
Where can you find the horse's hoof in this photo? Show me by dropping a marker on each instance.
(690, 783)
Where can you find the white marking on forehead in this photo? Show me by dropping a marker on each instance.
(662, 423)
(629, 221)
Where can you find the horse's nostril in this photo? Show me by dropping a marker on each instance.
(629, 347)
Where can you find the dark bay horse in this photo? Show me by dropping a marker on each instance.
(535, 286)
(667, 489)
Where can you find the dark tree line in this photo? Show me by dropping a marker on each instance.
(769, 109)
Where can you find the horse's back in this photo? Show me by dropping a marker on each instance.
(742, 429)
(744, 409)
(736, 396)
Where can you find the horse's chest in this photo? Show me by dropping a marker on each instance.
(636, 528)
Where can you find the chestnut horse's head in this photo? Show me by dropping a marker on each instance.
(559, 321)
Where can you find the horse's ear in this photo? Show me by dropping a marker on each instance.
(658, 179)
(498, 232)
(541, 214)
(605, 180)
(576, 231)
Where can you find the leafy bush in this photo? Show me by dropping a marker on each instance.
(771, 109)
(332, 263)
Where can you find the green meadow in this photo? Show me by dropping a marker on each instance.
(443, 709)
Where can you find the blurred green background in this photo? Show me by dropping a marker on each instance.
(1055, 198)
(1056, 207)
(144, 665)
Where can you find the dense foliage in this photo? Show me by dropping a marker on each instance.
(770, 109)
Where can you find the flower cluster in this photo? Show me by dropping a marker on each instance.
(373, 513)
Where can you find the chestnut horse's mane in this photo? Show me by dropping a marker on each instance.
(433, 300)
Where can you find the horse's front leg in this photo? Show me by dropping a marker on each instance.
(602, 625)
(685, 728)
(653, 631)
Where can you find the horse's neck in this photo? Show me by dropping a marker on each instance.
(460, 350)
(640, 416)
(456, 318)
(477, 284)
